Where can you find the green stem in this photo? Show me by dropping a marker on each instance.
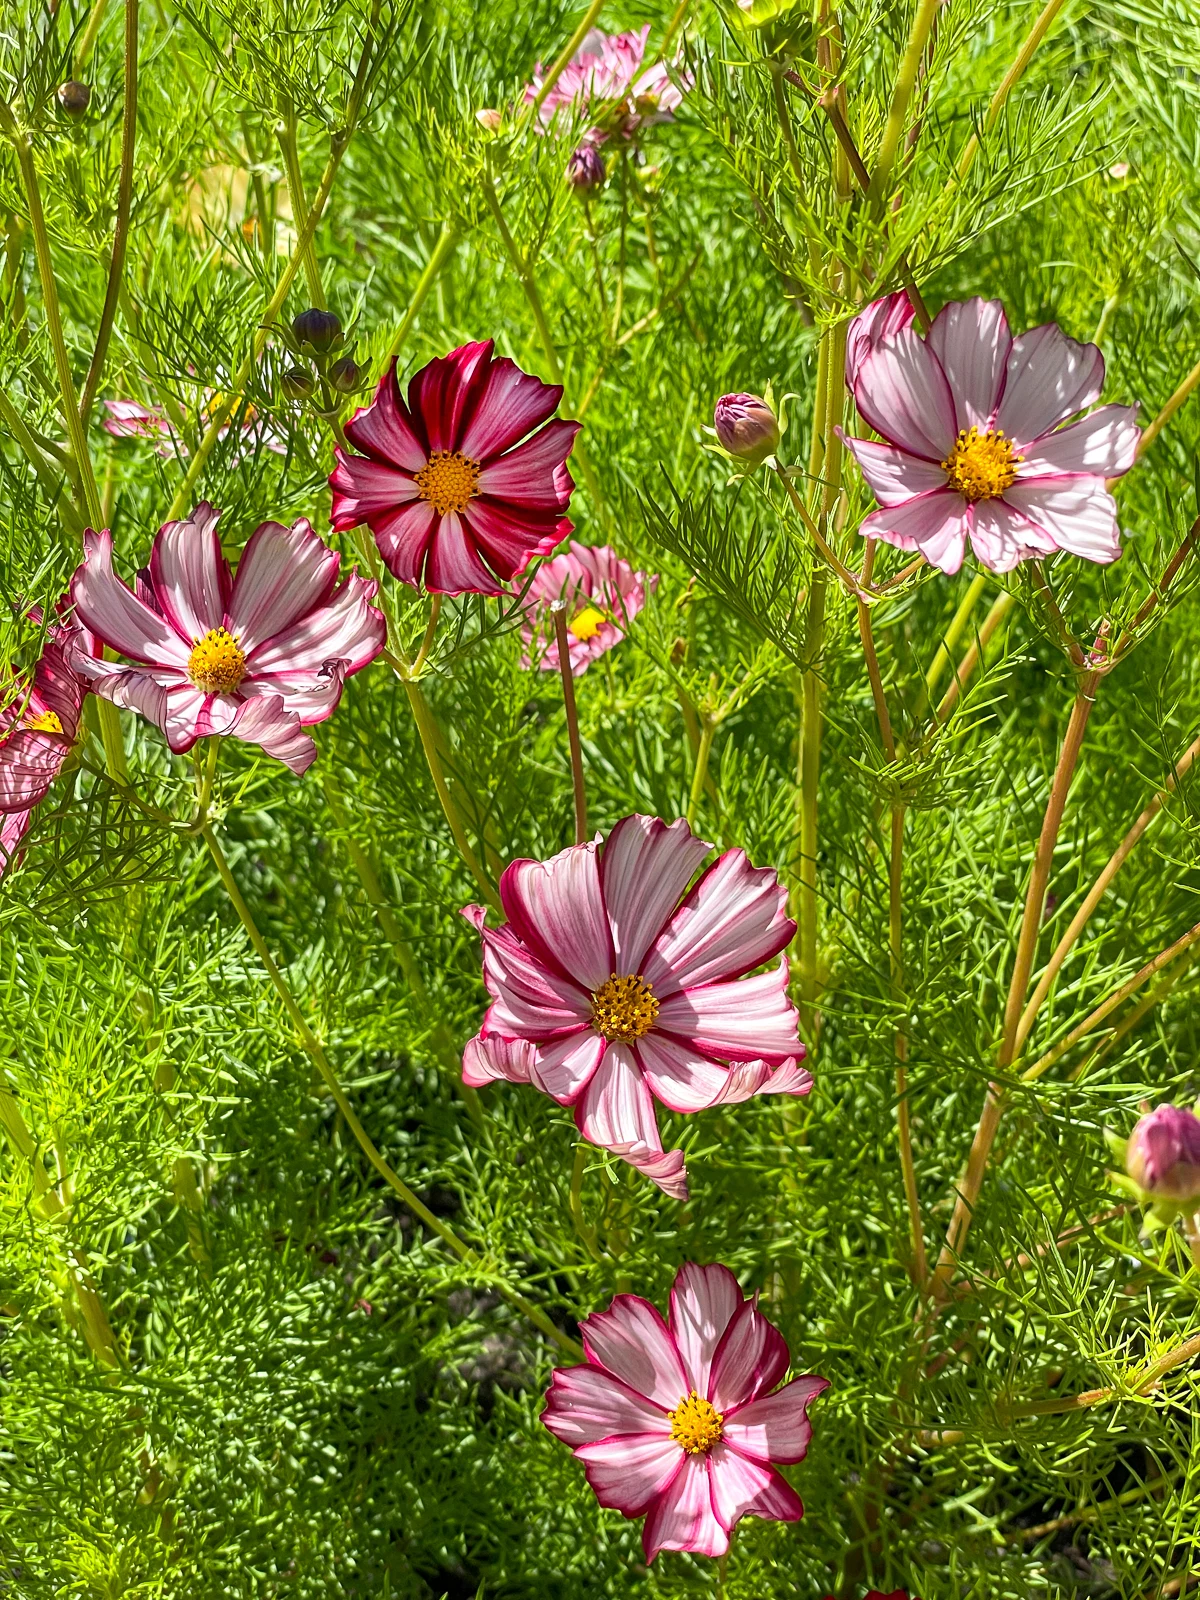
(1024, 56)
(906, 78)
(958, 622)
(52, 481)
(435, 611)
(579, 788)
(316, 1053)
(586, 1233)
(87, 39)
(708, 728)
(442, 250)
(565, 55)
(113, 741)
(286, 134)
(124, 204)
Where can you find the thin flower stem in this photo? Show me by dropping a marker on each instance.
(124, 205)
(852, 583)
(1127, 639)
(575, 1201)
(286, 134)
(87, 40)
(1097, 892)
(422, 655)
(784, 118)
(906, 78)
(1153, 429)
(565, 55)
(442, 251)
(966, 667)
(113, 741)
(1011, 78)
(950, 638)
(1035, 899)
(558, 611)
(673, 27)
(316, 1053)
(708, 727)
(53, 481)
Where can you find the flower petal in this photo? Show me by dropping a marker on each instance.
(529, 475)
(683, 1518)
(510, 404)
(617, 1107)
(746, 1079)
(629, 1472)
(564, 1069)
(881, 319)
(935, 524)
(189, 574)
(750, 1360)
(556, 908)
(1049, 378)
(126, 624)
(666, 1168)
(644, 869)
(454, 566)
(749, 1019)
(1001, 537)
(902, 392)
(486, 1060)
(733, 920)
(586, 1403)
(13, 827)
(893, 474)
(679, 1075)
(274, 727)
(509, 537)
(346, 628)
(444, 393)
(1076, 514)
(1104, 445)
(30, 760)
(704, 1301)
(748, 1488)
(972, 341)
(403, 540)
(283, 575)
(775, 1427)
(365, 490)
(134, 688)
(631, 1341)
(385, 431)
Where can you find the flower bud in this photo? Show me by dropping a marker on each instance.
(74, 97)
(1163, 1154)
(297, 383)
(320, 329)
(586, 170)
(746, 427)
(345, 375)
(489, 119)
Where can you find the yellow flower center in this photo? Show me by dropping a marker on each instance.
(44, 722)
(624, 1008)
(981, 465)
(587, 624)
(218, 663)
(695, 1424)
(448, 480)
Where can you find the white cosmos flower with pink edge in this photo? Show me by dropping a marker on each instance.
(614, 985)
(973, 444)
(604, 80)
(681, 1422)
(602, 594)
(258, 657)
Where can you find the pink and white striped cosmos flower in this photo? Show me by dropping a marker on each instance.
(454, 501)
(259, 657)
(129, 419)
(973, 445)
(610, 991)
(602, 593)
(604, 80)
(678, 1423)
(39, 723)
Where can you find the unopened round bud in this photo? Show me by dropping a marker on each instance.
(345, 375)
(320, 329)
(489, 119)
(297, 383)
(586, 170)
(74, 97)
(746, 426)
(1163, 1154)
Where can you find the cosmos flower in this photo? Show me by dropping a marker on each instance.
(454, 501)
(973, 448)
(603, 595)
(627, 994)
(39, 723)
(258, 657)
(604, 81)
(129, 419)
(1163, 1154)
(681, 1422)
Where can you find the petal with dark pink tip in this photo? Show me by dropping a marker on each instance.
(775, 1427)
(106, 606)
(902, 392)
(511, 404)
(1049, 378)
(682, 1518)
(529, 475)
(385, 431)
(935, 524)
(704, 1301)
(644, 869)
(740, 1485)
(733, 920)
(586, 1404)
(189, 573)
(750, 1360)
(628, 1473)
(631, 1341)
(972, 341)
(557, 909)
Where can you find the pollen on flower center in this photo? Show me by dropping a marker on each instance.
(448, 480)
(981, 465)
(587, 624)
(695, 1424)
(217, 664)
(44, 722)
(624, 1008)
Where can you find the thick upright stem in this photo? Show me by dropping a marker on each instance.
(427, 729)
(316, 1053)
(442, 251)
(906, 78)
(708, 727)
(1035, 899)
(559, 612)
(286, 134)
(1014, 74)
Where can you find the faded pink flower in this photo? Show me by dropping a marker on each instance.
(603, 594)
(678, 1422)
(627, 994)
(604, 81)
(39, 723)
(1163, 1154)
(128, 419)
(455, 503)
(973, 448)
(259, 657)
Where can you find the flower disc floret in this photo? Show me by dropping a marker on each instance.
(981, 465)
(449, 481)
(217, 664)
(696, 1424)
(43, 722)
(586, 624)
(624, 1008)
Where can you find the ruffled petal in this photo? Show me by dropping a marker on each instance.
(1049, 378)
(275, 728)
(30, 760)
(486, 1060)
(1002, 538)
(189, 574)
(534, 1000)
(750, 1360)
(445, 391)
(284, 574)
(902, 392)
(1103, 445)
(682, 1518)
(879, 321)
(630, 1340)
(555, 907)
(749, 1019)
(346, 628)
(680, 1075)
(112, 612)
(935, 524)
(312, 694)
(14, 825)
(617, 1108)
(403, 539)
(385, 431)
(1076, 514)
(133, 688)
(586, 1404)
(366, 490)
(629, 1472)
(733, 920)
(775, 1427)
(509, 537)
(666, 1168)
(704, 1301)
(510, 404)
(893, 474)
(745, 1079)
(741, 1487)
(972, 341)
(564, 1069)
(644, 869)
(531, 474)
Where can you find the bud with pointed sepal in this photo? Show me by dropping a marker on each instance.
(320, 330)
(746, 427)
(346, 375)
(297, 383)
(586, 170)
(1163, 1155)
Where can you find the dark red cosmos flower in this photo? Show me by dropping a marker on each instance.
(456, 503)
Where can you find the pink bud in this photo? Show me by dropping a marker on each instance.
(586, 170)
(488, 118)
(1163, 1154)
(746, 426)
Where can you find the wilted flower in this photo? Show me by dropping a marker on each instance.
(973, 447)
(1163, 1154)
(604, 81)
(451, 503)
(628, 995)
(259, 657)
(603, 594)
(678, 1423)
(39, 723)
(746, 426)
(129, 419)
(586, 169)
